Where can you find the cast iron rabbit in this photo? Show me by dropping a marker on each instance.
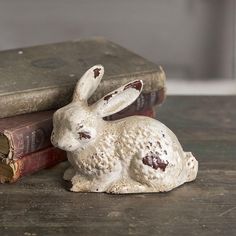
(130, 155)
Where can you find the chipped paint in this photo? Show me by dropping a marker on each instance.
(155, 162)
(96, 72)
(136, 85)
(107, 97)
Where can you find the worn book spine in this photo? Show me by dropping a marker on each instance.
(56, 97)
(29, 138)
(36, 135)
(14, 170)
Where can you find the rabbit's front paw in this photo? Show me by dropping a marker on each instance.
(69, 173)
(79, 184)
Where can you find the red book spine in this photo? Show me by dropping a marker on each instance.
(36, 161)
(29, 138)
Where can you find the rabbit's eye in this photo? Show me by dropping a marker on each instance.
(84, 135)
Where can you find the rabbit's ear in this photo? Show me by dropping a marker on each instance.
(118, 99)
(88, 83)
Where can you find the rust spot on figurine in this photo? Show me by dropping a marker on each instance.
(132, 155)
(155, 162)
(136, 85)
(96, 72)
(84, 135)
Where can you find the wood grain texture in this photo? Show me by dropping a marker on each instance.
(39, 205)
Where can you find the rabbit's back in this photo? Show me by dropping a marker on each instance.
(140, 134)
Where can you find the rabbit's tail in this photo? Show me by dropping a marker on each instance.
(192, 166)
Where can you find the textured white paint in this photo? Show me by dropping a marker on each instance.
(131, 155)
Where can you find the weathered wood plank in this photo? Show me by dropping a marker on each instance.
(39, 204)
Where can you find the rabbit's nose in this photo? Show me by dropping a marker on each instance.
(53, 141)
(52, 136)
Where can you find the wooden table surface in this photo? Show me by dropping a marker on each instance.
(39, 204)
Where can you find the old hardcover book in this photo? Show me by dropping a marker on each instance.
(15, 169)
(24, 134)
(43, 77)
(27, 133)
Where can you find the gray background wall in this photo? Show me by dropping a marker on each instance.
(193, 39)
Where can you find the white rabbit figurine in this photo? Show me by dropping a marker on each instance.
(131, 155)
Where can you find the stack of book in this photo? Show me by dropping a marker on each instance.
(36, 81)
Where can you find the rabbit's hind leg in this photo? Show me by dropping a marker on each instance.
(144, 170)
(137, 179)
(126, 186)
